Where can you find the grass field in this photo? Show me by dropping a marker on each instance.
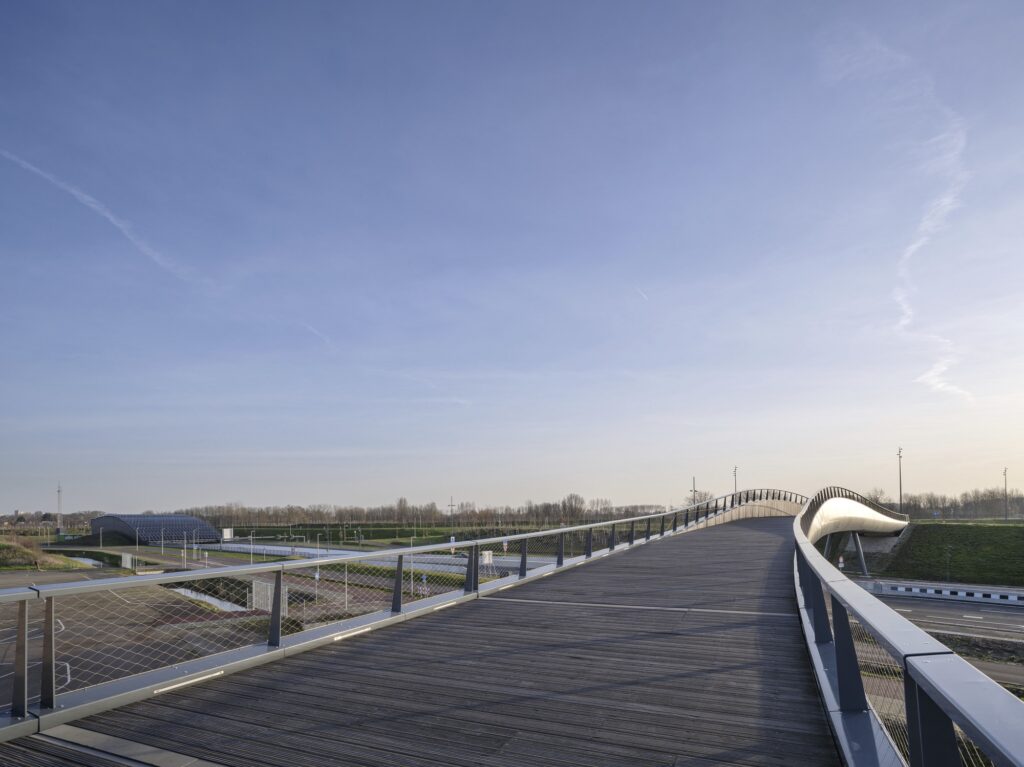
(18, 556)
(965, 553)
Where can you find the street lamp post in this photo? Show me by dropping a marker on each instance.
(1006, 497)
(734, 487)
(899, 455)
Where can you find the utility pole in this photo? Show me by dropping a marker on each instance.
(451, 512)
(1006, 497)
(734, 468)
(694, 491)
(60, 504)
(899, 455)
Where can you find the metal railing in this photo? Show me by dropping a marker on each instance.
(71, 649)
(894, 694)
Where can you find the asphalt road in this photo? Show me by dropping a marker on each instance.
(942, 618)
(968, 618)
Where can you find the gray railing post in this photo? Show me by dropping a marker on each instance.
(686, 519)
(662, 533)
(476, 568)
(851, 686)
(522, 557)
(860, 553)
(48, 684)
(590, 543)
(396, 591)
(632, 533)
(274, 633)
(675, 522)
(470, 585)
(19, 695)
(929, 730)
(814, 600)
(611, 540)
(561, 549)
(647, 532)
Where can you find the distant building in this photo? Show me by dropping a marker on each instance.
(152, 528)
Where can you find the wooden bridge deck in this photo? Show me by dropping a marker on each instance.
(686, 651)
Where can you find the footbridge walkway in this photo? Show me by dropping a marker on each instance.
(714, 634)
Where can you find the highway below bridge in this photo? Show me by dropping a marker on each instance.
(670, 654)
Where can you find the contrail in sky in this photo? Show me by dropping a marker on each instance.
(907, 86)
(104, 212)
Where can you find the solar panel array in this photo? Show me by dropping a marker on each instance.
(155, 527)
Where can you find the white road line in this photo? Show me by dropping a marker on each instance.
(901, 610)
(974, 617)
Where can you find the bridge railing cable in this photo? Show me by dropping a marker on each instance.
(76, 648)
(894, 694)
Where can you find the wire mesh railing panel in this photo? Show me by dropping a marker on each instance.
(322, 593)
(433, 574)
(601, 537)
(105, 635)
(970, 754)
(497, 560)
(541, 551)
(882, 676)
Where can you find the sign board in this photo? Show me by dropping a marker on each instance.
(227, 533)
(126, 561)
(487, 557)
(452, 541)
(841, 563)
(504, 545)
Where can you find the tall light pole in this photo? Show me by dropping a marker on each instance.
(1006, 497)
(899, 455)
(694, 491)
(734, 488)
(451, 511)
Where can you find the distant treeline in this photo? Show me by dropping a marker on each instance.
(573, 508)
(990, 503)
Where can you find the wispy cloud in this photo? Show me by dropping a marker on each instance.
(328, 341)
(642, 295)
(910, 90)
(159, 259)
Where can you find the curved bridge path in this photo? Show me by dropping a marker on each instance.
(685, 651)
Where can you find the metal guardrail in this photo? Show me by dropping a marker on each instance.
(81, 647)
(894, 694)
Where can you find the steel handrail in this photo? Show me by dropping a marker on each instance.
(941, 687)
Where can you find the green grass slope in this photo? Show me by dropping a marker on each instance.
(963, 553)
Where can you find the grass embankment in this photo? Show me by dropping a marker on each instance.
(22, 556)
(985, 554)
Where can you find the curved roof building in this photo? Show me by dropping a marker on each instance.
(151, 528)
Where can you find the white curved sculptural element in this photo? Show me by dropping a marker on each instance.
(841, 515)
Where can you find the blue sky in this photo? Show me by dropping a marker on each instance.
(339, 252)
